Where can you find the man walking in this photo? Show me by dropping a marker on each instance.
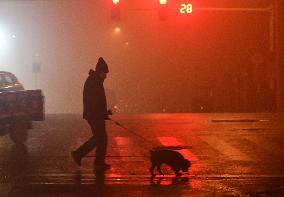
(95, 112)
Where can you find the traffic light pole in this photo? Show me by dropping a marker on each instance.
(279, 50)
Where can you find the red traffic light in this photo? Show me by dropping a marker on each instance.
(163, 2)
(162, 10)
(115, 10)
(115, 1)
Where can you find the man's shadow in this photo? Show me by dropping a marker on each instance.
(99, 181)
(100, 177)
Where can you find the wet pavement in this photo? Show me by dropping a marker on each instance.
(231, 155)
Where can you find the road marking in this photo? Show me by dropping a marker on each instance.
(122, 141)
(5, 189)
(171, 141)
(113, 175)
(127, 148)
(224, 148)
(242, 176)
(238, 120)
(141, 179)
(266, 144)
(224, 189)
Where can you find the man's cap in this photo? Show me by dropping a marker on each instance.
(102, 66)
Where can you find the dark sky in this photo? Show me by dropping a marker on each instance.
(153, 64)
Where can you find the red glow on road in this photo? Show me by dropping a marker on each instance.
(123, 144)
(195, 184)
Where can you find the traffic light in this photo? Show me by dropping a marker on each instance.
(162, 10)
(115, 10)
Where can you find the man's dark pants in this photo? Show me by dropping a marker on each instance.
(98, 140)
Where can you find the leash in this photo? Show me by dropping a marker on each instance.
(156, 146)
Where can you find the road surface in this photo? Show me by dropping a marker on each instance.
(231, 155)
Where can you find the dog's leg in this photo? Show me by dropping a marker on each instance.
(152, 169)
(176, 170)
(159, 170)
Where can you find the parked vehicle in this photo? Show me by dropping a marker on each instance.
(18, 107)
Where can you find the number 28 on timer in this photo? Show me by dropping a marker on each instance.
(186, 8)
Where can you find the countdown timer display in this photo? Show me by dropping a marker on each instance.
(186, 8)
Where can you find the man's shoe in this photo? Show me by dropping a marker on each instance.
(103, 166)
(76, 159)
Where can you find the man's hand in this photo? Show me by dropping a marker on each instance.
(109, 112)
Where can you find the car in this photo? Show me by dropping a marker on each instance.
(18, 107)
(9, 82)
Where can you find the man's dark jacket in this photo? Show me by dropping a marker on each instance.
(94, 99)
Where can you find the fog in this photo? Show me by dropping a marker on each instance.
(215, 60)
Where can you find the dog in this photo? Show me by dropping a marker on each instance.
(169, 157)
